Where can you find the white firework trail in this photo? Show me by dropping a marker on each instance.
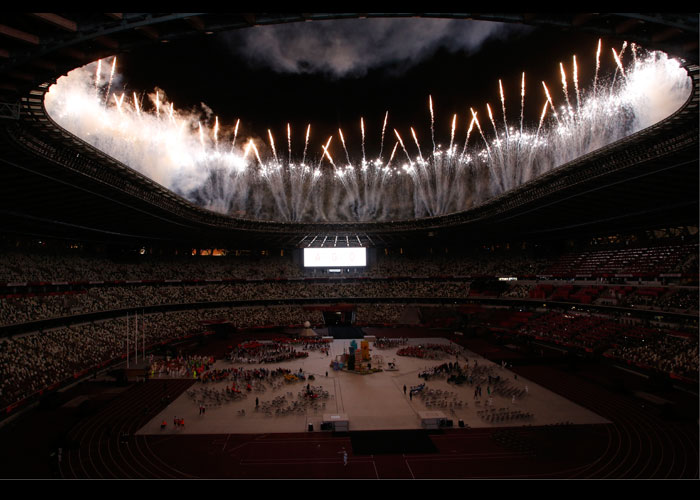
(272, 145)
(402, 145)
(597, 67)
(342, 140)
(98, 73)
(549, 99)
(619, 63)
(522, 102)
(201, 134)
(393, 151)
(362, 129)
(326, 153)
(111, 77)
(137, 105)
(119, 101)
(415, 139)
(216, 132)
(235, 134)
(578, 95)
(478, 126)
(522, 112)
(469, 131)
(498, 166)
(566, 90)
(432, 121)
(381, 146)
(452, 133)
(503, 107)
(306, 143)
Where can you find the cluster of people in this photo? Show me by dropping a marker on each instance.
(393, 313)
(390, 343)
(38, 266)
(265, 352)
(244, 375)
(306, 343)
(658, 259)
(31, 307)
(448, 369)
(74, 266)
(665, 353)
(428, 351)
(445, 264)
(181, 366)
(518, 291)
(32, 362)
(574, 330)
(681, 300)
(642, 344)
(28, 307)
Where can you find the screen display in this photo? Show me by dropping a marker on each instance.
(335, 257)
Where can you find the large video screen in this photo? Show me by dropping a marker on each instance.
(335, 257)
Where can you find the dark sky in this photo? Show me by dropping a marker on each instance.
(206, 69)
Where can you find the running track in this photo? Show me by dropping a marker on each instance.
(638, 444)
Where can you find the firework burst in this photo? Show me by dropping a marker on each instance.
(250, 180)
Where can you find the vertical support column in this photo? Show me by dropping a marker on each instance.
(136, 337)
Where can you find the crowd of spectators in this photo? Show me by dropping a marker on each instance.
(24, 308)
(666, 353)
(683, 299)
(47, 266)
(518, 291)
(31, 307)
(647, 346)
(19, 267)
(35, 361)
(486, 264)
(27, 308)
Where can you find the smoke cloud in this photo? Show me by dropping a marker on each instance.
(350, 48)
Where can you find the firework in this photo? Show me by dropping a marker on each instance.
(182, 153)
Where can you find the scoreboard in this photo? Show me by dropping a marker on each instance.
(335, 257)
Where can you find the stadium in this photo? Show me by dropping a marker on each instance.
(520, 304)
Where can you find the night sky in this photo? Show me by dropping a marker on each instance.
(206, 69)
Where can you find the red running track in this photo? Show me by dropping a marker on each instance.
(637, 444)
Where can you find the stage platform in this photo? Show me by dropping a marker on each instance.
(373, 402)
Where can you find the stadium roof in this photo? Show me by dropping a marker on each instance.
(38, 47)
